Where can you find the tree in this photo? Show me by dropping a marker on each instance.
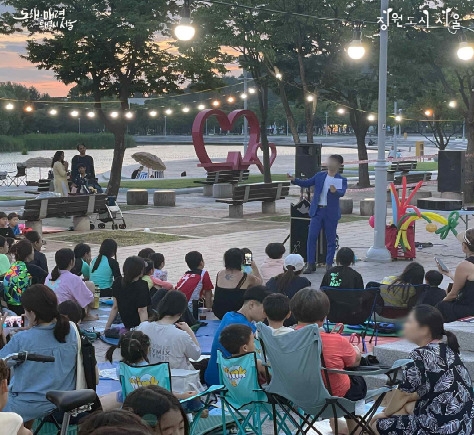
(114, 50)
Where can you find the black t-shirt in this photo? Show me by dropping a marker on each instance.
(343, 277)
(40, 261)
(38, 275)
(298, 283)
(432, 296)
(131, 297)
(7, 232)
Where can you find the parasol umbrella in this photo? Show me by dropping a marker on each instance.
(38, 162)
(149, 160)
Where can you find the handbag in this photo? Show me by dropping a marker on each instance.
(81, 383)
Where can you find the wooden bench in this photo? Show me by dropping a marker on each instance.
(403, 167)
(413, 177)
(267, 193)
(325, 168)
(217, 177)
(80, 207)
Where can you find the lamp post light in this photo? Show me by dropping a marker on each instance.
(356, 49)
(9, 106)
(465, 51)
(378, 252)
(168, 113)
(185, 31)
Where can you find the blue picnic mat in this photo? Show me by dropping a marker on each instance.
(205, 336)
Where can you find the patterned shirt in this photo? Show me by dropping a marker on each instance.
(15, 282)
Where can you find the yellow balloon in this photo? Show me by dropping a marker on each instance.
(431, 227)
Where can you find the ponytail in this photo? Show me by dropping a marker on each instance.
(283, 280)
(62, 328)
(452, 342)
(133, 347)
(110, 352)
(96, 263)
(55, 273)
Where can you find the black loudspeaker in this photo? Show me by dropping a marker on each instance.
(299, 228)
(307, 160)
(451, 171)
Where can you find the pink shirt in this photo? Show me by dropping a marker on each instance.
(271, 267)
(70, 287)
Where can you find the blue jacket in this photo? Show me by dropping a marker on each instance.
(333, 198)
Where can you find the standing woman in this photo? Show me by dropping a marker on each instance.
(435, 396)
(18, 278)
(105, 268)
(459, 302)
(60, 166)
(49, 334)
(131, 295)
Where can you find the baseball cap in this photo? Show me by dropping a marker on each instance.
(295, 260)
(256, 293)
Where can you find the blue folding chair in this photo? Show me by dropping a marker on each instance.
(297, 385)
(243, 397)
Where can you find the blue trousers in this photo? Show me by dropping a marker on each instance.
(329, 223)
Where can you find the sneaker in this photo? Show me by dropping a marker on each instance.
(309, 268)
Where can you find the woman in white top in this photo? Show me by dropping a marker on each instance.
(60, 167)
(170, 340)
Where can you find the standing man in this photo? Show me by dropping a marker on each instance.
(84, 160)
(324, 211)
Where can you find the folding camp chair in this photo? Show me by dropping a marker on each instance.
(20, 176)
(159, 374)
(3, 178)
(352, 307)
(297, 385)
(243, 396)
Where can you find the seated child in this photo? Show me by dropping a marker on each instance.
(311, 307)
(13, 219)
(432, 295)
(238, 339)
(153, 283)
(160, 275)
(277, 309)
(273, 265)
(5, 230)
(10, 423)
(196, 282)
(146, 253)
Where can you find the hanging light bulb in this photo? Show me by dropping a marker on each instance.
(253, 90)
(452, 104)
(465, 51)
(356, 49)
(341, 111)
(310, 98)
(398, 118)
(215, 103)
(185, 31)
(185, 109)
(53, 112)
(129, 115)
(230, 100)
(9, 106)
(114, 115)
(371, 117)
(28, 108)
(168, 111)
(201, 107)
(91, 114)
(243, 96)
(153, 113)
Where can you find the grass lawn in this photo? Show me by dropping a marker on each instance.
(182, 183)
(122, 237)
(14, 198)
(421, 166)
(344, 219)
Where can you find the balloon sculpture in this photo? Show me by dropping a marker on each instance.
(404, 214)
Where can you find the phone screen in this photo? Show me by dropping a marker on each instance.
(14, 322)
(441, 264)
(248, 259)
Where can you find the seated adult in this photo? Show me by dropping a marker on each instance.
(231, 284)
(273, 265)
(18, 278)
(250, 312)
(131, 296)
(249, 266)
(290, 281)
(37, 241)
(459, 302)
(435, 396)
(49, 334)
(171, 341)
(343, 275)
(66, 285)
(400, 291)
(105, 268)
(83, 258)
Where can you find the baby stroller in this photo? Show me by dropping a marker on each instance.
(111, 213)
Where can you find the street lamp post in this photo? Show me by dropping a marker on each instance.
(395, 135)
(378, 252)
(246, 106)
(327, 125)
(165, 126)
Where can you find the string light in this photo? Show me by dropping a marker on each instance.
(230, 100)
(252, 90)
(201, 107)
(28, 109)
(371, 117)
(398, 118)
(428, 112)
(9, 106)
(53, 112)
(129, 115)
(310, 98)
(168, 111)
(341, 111)
(74, 113)
(185, 109)
(114, 115)
(215, 103)
(243, 96)
(453, 104)
(153, 113)
(90, 114)
(278, 76)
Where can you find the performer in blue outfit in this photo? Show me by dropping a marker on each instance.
(324, 211)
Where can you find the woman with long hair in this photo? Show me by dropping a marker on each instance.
(435, 396)
(131, 297)
(60, 167)
(18, 278)
(83, 258)
(49, 334)
(105, 268)
(68, 286)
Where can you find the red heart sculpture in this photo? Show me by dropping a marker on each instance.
(234, 158)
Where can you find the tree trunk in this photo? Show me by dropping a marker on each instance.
(364, 180)
(309, 106)
(117, 161)
(263, 104)
(469, 163)
(289, 114)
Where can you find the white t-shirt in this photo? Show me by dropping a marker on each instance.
(282, 330)
(10, 423)
(170, 344)
(323, 199)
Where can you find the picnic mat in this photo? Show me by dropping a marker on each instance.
(205, 336)
(357, 329)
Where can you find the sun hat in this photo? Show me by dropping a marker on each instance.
(466, 237)
(294, 260)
